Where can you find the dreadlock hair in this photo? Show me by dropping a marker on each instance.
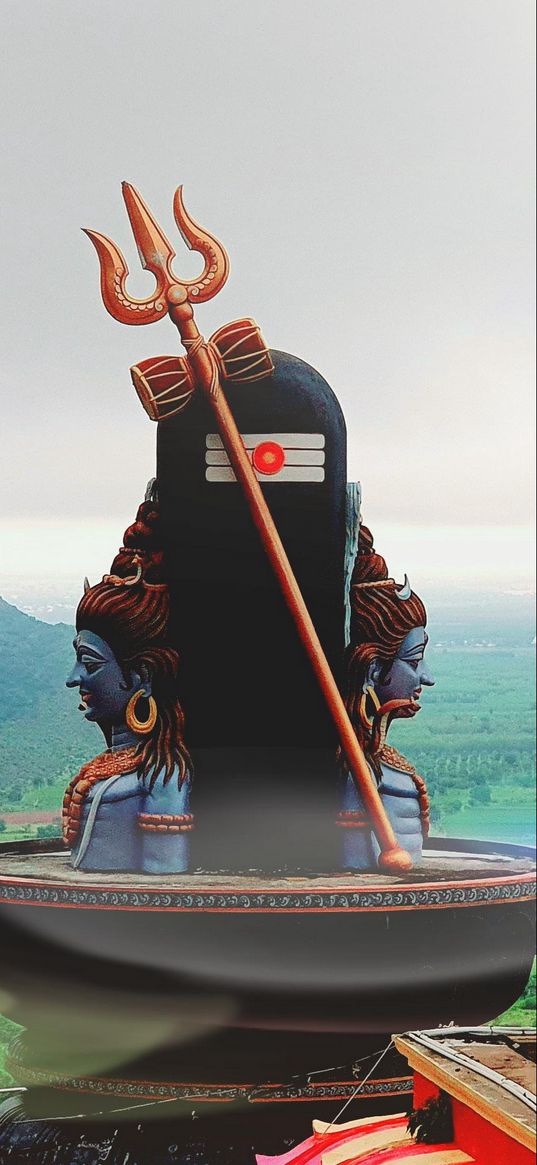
(130, 610)
(380, 621)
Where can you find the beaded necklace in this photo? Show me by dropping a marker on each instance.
(108, 764)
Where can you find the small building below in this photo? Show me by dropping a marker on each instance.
(473, 1104)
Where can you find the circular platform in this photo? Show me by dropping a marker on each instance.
(451, 940)
(453, 873)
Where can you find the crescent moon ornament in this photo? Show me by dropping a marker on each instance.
(405, 591)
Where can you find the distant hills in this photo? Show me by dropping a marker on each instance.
(456, 614)
(460, 617)
(42, 736)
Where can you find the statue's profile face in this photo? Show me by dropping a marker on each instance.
(104, 690)
(408, 673)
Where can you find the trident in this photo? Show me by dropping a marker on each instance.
(203, 370)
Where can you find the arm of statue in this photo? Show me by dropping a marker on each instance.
(357, 839)
(404, 796)
(165, 822)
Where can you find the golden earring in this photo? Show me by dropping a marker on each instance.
(142, 727)
(368, 693)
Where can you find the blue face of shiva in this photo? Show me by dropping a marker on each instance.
(104, 689)
(408, 673)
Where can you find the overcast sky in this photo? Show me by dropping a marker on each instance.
(368, 166)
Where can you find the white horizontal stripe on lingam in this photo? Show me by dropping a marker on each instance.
(292, 457)
(288, 473)
(286, 440)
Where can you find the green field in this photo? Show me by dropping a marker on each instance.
(522, 1013)
(474, 742)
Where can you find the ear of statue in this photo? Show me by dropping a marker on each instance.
(369, 701)
(373, 674)
(141, 679)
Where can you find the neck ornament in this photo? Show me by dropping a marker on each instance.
(108, 764)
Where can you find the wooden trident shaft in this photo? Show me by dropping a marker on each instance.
(176, 296)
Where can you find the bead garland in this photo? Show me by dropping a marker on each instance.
(107, 764)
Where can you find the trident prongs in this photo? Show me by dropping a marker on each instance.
(156, 255)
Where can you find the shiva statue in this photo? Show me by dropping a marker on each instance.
(385, 676)
(129, 808)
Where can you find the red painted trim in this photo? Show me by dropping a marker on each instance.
(204, 1084)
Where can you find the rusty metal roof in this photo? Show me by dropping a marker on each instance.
(491, 1071)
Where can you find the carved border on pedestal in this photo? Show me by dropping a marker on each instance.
(430, 896)
(210, 1093)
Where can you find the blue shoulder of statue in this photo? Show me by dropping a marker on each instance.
(166, 822)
